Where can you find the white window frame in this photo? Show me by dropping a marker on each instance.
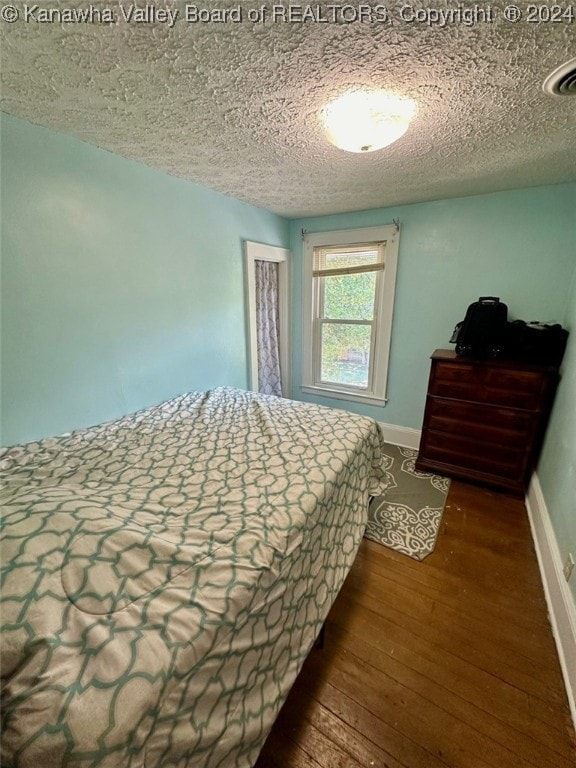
(384, 310)
(261, 252)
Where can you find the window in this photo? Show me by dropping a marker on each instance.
(349, 279)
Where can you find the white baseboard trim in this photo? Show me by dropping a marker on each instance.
(561, 607)
(406, 437)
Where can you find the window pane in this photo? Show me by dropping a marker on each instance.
(345, 353)
(349, 258)
(350, 297)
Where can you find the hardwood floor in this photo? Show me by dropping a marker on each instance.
(446, 662)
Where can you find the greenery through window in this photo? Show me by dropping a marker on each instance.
(348, 285)
(347, 280)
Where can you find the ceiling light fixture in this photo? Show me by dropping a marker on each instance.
(364, 121)
(562, 82)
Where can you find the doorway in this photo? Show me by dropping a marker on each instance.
(267, 273)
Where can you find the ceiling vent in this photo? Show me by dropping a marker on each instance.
(562, 82)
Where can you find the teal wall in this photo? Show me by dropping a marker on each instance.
(517, 245)
(557, 468)
(121, 286)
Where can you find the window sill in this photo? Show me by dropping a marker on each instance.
(338, 394)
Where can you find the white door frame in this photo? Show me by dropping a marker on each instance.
(260, 252)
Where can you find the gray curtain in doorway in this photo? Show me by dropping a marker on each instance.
(268, 328)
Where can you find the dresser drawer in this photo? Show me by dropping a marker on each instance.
(468, 453)
(482, 422)
(478, 382)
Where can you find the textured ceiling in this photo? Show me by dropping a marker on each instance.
(235, 106)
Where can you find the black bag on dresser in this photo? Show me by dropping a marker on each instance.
(541, 343)
(482, 332)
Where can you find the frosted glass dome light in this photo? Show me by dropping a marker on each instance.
(364, 121)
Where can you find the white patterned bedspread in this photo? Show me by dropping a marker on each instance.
(165, 575)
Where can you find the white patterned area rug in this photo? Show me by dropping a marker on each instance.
(407, 517)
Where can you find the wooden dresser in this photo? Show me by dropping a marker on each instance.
(485, 419)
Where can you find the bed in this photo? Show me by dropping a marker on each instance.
(165, 575)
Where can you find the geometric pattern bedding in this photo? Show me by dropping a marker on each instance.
(165, 575)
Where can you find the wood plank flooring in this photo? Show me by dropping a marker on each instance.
(448, 662)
